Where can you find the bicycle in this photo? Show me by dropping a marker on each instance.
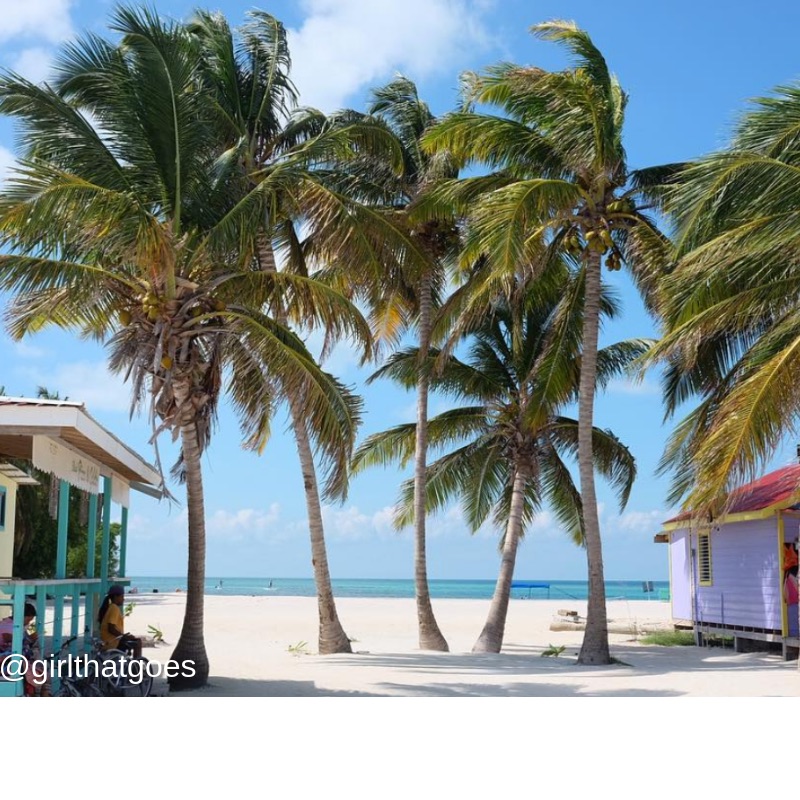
(101, 679)
(72, 680)
(124, 680)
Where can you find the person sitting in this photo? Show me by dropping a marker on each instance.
(30, 649)
(112, 624)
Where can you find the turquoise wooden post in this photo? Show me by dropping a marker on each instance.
(61, 563)
(76, 618)
(41, 612)
(63, 524)
(18, 630)
(91, 547)
(104, 557)
(123, 542)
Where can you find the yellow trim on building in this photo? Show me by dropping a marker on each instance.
(741, 516)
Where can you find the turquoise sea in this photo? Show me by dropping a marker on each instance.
(367, 587)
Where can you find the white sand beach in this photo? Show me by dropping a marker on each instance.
(249, 640)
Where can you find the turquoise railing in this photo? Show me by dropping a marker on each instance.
(74, 603)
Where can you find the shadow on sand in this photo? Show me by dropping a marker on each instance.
(518, 672)
(249, 687)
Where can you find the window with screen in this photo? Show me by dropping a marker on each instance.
(704, 558)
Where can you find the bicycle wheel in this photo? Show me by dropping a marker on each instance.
(127, 680)
(91, 689)
(110, 674)
(67, 689)
(140, 687)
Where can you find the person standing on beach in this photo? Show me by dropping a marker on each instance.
(112, 624)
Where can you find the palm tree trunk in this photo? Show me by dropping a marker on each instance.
(332, 638)
(491, 638)
(595, 640)
(430, 637)
(191, 644)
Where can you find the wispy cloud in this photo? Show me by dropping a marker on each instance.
(228, 525)
(641, 521)
(6, 162)
(29, 33)
(630, 386)
(352, 524)
(87, 382)
(47, 20)
(244, 523)
(33, 63)
(26, 350)
(141, 528)
(345, 45)
(634, 525)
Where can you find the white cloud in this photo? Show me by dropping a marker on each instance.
(238, 525)
(543, 522)
(342, 524)
(6, 162)
(635, 525)
(451, 523)
(36, 19)
(641, 521)
(143, 529)
(86, 382)
(33, 64)
(629, 386)
(243, 523)
(24, 350)
(345, 45)
(352, 524)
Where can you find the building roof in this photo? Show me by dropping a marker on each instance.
(775, 491)
(70, 423)
(19, 476)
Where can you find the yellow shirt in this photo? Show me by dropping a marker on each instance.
(113, 616)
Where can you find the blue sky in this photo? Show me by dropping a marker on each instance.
(689, 67)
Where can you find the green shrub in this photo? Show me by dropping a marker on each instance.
(669, 638)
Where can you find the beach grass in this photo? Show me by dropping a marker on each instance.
(669, 638)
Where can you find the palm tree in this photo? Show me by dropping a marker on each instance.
(415, 291)
(560, 185)
(114, 226)
(732, 326)
(283, 164)
(395, 265)
(523, 369)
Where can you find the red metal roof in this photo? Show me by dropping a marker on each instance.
(773, 489)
